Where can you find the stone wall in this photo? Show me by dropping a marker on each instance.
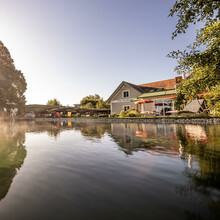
(141, 120)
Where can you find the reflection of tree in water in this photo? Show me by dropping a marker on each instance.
(54, 133)
(89, 130)
(204, 179)
(12, 149)
(12, 155)
(93, 130)
(53, 128)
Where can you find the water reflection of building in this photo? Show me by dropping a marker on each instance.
(187, 142)
(153, 138)
(194, 144)
(196, 132)
(172, 140)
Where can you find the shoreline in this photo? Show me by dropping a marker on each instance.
(196, 121)
(199, 121)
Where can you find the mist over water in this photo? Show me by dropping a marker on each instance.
(66, 170)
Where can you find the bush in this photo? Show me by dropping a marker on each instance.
(113, 115)
(132, 114)
(129, 113)
(103, 115)
(203, 115)
(122, 114)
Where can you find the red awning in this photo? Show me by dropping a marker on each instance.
(171, 97)
(145, 101)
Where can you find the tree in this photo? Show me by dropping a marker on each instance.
(12, 82)
(100, 104)
(88, 105)
(53, 102)
(194, 11)
(213, 100)
(93, 101)
(201, 66)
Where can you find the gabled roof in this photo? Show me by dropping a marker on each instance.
(139, 88)
(194, 105)
(133, 86)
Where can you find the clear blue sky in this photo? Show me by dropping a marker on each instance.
(68, 49)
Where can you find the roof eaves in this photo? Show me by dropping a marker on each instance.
(118, 88)
(135, 87)
(159, 93)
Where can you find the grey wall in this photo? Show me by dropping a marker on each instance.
(117, 107)
(133, 93)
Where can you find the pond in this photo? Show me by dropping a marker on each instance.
(65, 170)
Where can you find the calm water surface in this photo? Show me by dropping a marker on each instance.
(109, 171)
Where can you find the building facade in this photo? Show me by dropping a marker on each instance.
(150, 98)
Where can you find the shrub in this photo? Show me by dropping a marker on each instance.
(203, 115)
(129, 113)
(132, 114)
(103, 115)
(113, 115)
(123, 114)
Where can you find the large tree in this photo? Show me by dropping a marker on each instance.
(93, 101)
(12, 82)
(202, 66)
(53, 102)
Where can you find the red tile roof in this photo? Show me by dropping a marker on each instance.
(164, 84)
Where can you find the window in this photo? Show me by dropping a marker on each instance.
(126, 107)
(152, 90)
(163, 106)
(125, 94)
(158, 101)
